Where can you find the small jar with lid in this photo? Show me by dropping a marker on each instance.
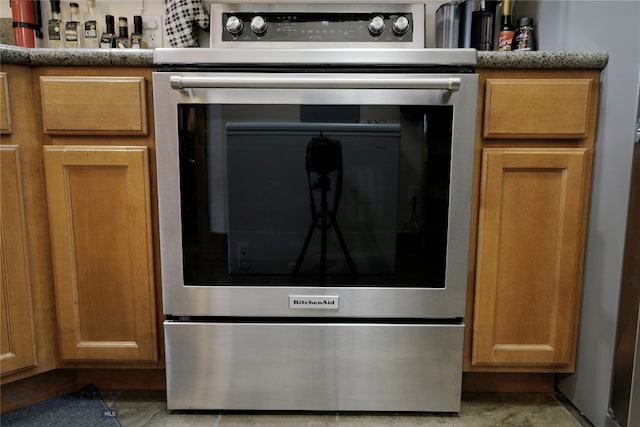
(524, 38)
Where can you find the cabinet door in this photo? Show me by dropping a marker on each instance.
(529, 261)
(16, 325)
(99, 213)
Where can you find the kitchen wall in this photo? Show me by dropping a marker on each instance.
(103, 7)
(148, 8)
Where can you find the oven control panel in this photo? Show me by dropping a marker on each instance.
(302, 25)
(361, 27)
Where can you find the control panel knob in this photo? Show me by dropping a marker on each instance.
(400, 25)
(376, 25)
(234, 25)
(258, 25)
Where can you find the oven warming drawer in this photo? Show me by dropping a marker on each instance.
(314, 366)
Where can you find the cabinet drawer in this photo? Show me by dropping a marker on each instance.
(5, 115)
(94, 105)
(537, 108)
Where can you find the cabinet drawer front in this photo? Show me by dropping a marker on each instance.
(537, 108)
(5, 115)
(94, 105)
(343, 367)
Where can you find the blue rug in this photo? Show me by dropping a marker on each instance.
(79, 409)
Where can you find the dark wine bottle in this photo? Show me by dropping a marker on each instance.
(108, 39)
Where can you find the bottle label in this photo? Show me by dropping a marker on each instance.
(71, 32)
(504, 40)
(123, 43)
(106, 42)
(90, 30)
(54, 29)
(523, 40)
(136, 41)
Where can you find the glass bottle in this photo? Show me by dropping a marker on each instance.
(108, 39)
(524, 38)
(123, 41)
(71, 33)
(136, 36)
(54, 25)
(507, 30)
(91, 26)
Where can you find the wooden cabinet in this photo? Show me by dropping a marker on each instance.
(99, 170)
(534, 151)
(537, 108)
(17, 343)
(5, 111)
(17, 346)
(27, 314)
(528, 256)
(100, 217)
(95, 105)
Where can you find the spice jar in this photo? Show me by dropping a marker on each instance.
(524, 37)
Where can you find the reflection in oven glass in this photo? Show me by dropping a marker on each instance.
(314, 195)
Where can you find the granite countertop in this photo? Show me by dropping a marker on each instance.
(543, 59)
(144, 58)
(76, 57)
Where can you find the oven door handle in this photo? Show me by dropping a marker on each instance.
(315, 82)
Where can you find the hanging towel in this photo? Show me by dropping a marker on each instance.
(181, 21)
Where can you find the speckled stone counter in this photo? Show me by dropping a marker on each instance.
(76, 57)
(543, 59)
(144, 58)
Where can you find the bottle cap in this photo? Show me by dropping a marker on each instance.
(55, 6)
(525, 22)
(110, 22)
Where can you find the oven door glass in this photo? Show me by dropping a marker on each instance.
(308, 195)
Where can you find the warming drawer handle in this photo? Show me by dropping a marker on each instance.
(308, 82)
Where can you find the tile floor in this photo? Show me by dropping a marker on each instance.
(137, 409)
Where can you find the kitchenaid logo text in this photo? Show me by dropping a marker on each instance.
(311, 302)
(318, 302)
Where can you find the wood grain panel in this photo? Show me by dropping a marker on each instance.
(537, 108)
(17, 349)
(27, 135)
(529, 256)
(5, 110)
(94, 105)
(100, 215)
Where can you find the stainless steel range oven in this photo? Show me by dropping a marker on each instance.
(314, 186)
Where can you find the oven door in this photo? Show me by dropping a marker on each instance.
(314, 194)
